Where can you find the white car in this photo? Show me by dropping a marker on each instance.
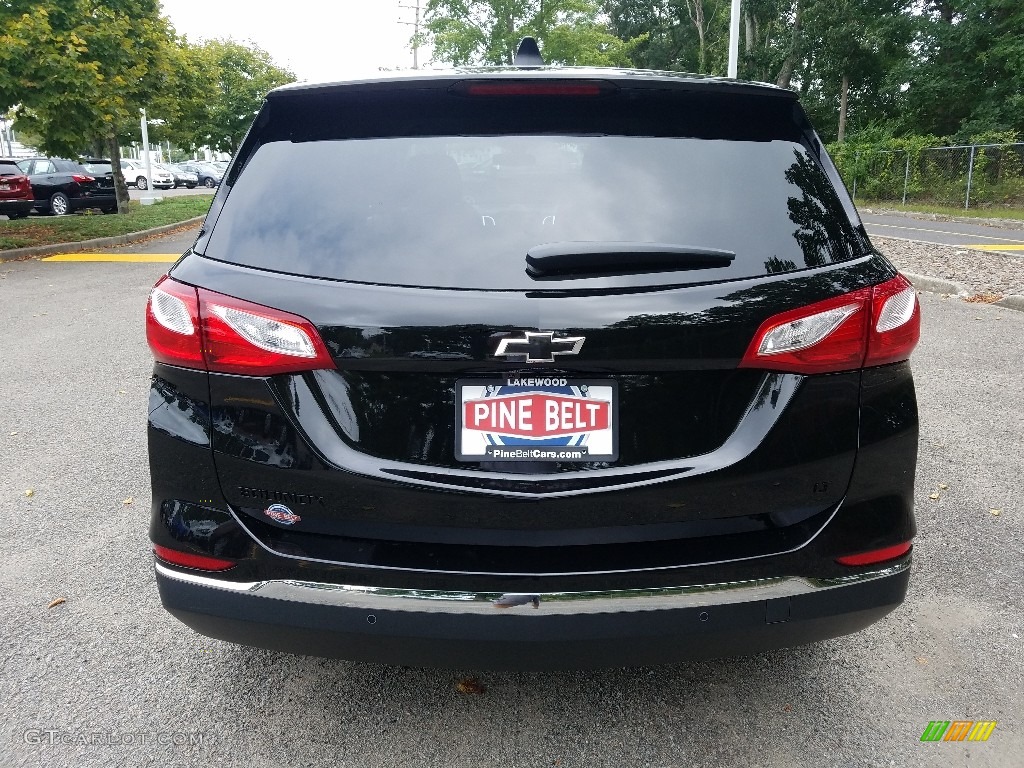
(135, 173)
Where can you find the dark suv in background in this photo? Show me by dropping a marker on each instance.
(64, 186)
(546, 367)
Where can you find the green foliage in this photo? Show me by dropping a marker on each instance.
(80, 69)
(969, 76)
(488, 32)
(227, 84)
(929, 173)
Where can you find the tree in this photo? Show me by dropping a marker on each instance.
(675, 35)
(79, 70)
(850, 48)
(488, 31)
(968, 76)
(225, 84)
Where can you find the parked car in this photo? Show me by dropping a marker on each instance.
(135, 175)
(63, 186)
(16, 198)
(208, 175)
(639, 392)
(182, 178)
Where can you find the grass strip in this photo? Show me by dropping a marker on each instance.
(52, 230)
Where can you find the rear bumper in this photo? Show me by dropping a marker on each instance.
(15, 206)
(531, 631)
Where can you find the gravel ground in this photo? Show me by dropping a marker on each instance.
(980, 272)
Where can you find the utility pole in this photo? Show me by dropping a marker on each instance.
(415, 32)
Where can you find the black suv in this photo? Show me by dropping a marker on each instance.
(64, 186)
(546, 367)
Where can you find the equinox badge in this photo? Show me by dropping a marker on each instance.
(538, 347)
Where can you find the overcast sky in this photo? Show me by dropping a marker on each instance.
(315, 39)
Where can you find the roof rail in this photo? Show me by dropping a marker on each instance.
(528, 54)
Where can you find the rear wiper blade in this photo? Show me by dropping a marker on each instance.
(577, 259)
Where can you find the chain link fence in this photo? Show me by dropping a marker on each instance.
(970, 176)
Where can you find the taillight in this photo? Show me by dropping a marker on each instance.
(197, 328)
(869, 326)
(242, 337)
(80, 178)
(895, 322)
(875, 555)
(188, 560)
(172, 324)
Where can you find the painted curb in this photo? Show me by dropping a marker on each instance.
(1012, 301)
(98, 242)
(936, 285)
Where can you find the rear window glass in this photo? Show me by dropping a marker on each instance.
(462, 211)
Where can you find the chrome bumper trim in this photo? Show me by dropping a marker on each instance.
(541, 604)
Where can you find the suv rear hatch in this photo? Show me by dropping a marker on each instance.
(407, 250)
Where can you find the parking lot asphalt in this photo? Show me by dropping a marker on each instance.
(108, 678)
(979, 235)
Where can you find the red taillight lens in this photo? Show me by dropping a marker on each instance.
(247, 338)
(895, 322)
(876, 555)
(196, 328)
(80, 178)
(172, 324)
(870, 326)
(533, 89)
(188, 560)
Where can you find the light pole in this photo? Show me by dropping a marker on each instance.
(734, 39)
(145, 148)
(5, 137)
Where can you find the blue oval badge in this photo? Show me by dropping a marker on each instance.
(281, 514)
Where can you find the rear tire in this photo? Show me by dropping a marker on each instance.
(209, 183)
(110, 210)
(59, 204)
(141, 183)
(13, 216)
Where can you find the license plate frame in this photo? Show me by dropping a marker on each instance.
(584, 427)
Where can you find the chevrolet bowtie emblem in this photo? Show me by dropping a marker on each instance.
(538, 347)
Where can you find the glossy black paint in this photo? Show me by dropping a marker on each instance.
(723, 474)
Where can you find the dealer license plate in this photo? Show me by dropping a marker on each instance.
(536, 418)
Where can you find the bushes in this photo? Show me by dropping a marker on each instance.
(919, 169)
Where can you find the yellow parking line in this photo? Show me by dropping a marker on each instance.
(990, 247)
(135, 258)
